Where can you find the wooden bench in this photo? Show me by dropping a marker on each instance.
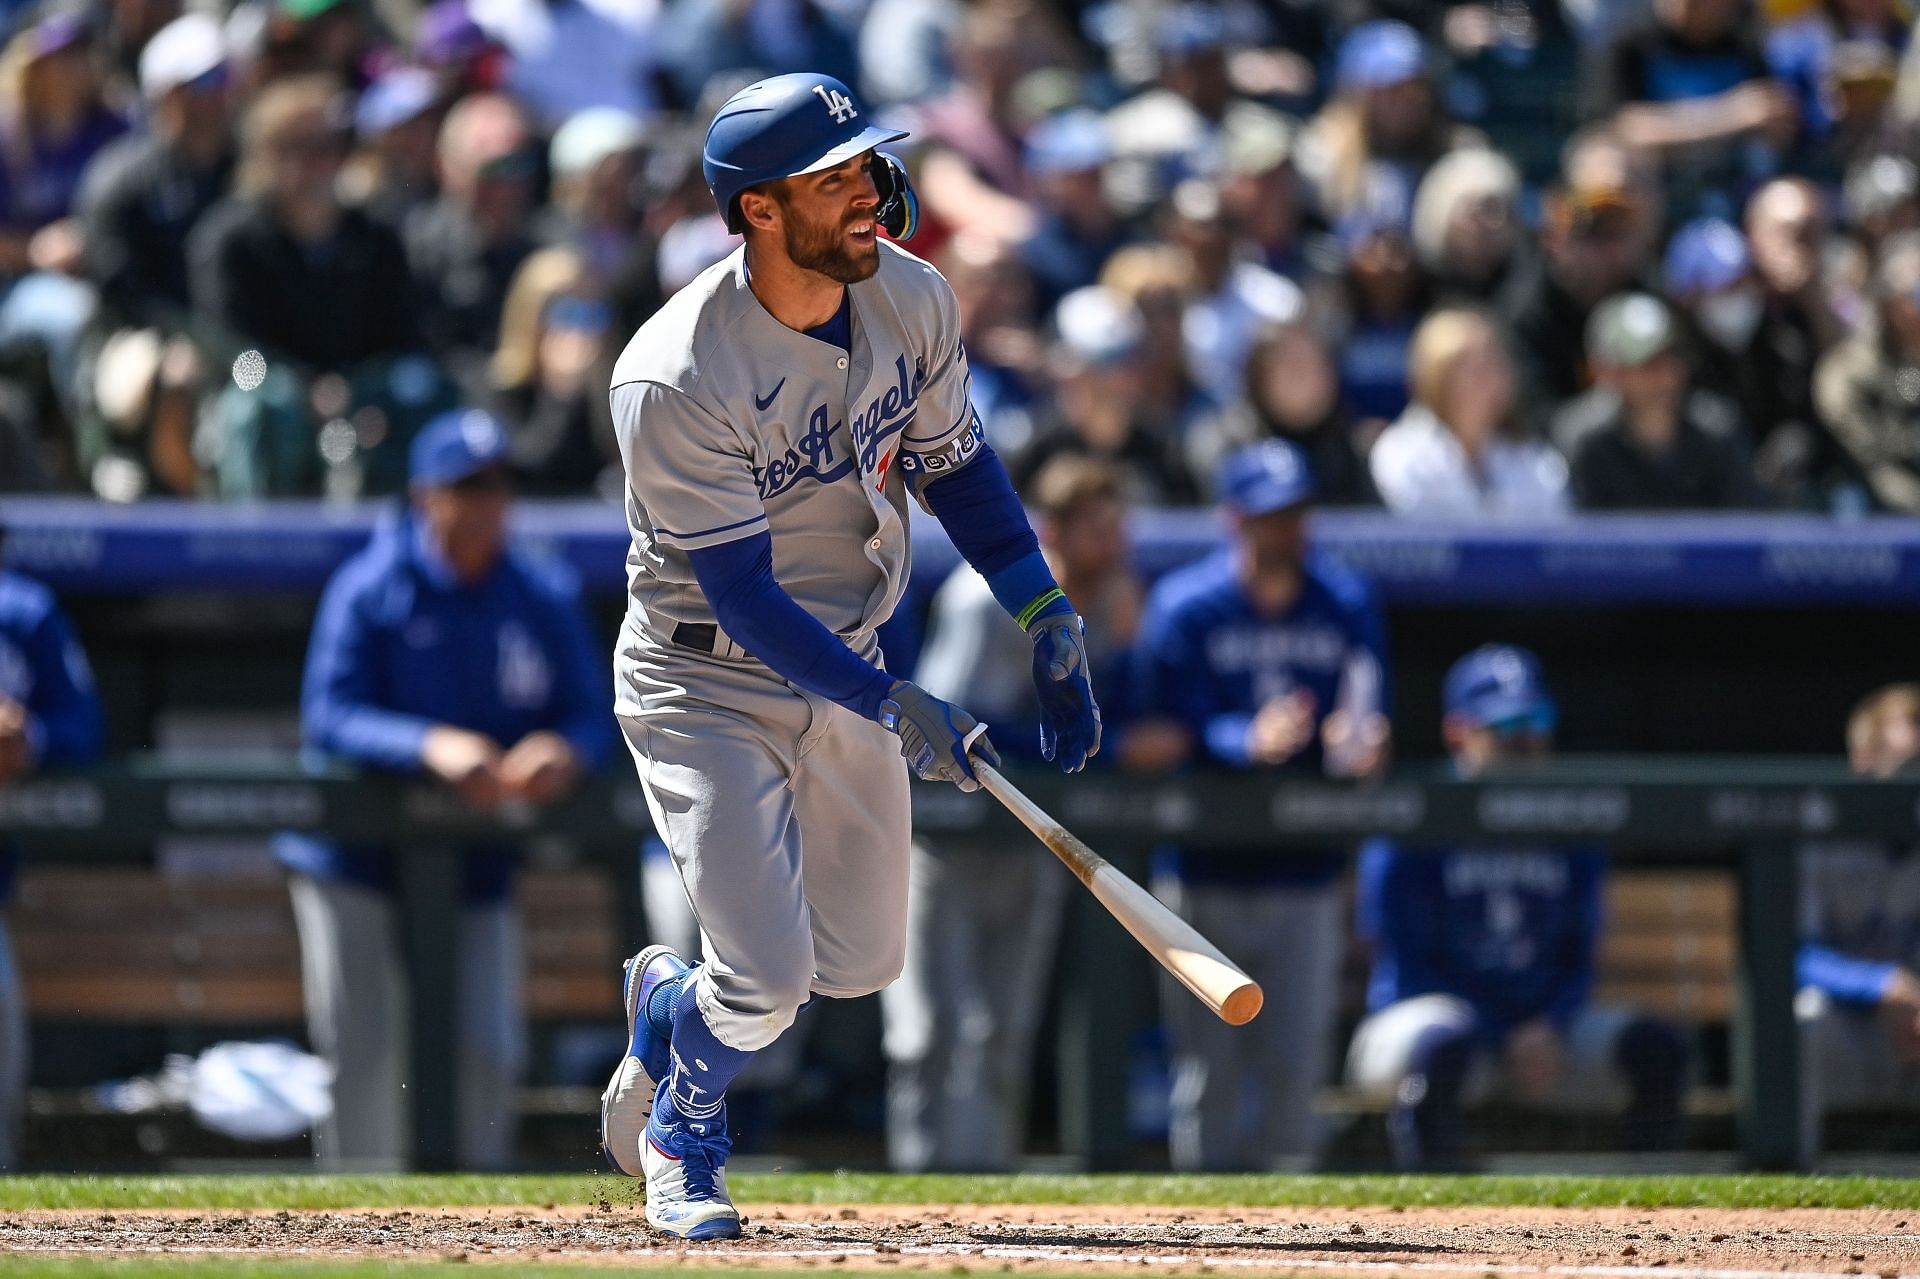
(126, 945)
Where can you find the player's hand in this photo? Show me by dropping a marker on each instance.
(935, 736)
(467, 761)
(1900, 1014)
(1069, 717)
(1282, 728)
(1534, 1058)
(539, 769)
(16, 748)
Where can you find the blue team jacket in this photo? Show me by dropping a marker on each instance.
(399, 646)
(43, 668)
(1510, 931)
(1206, 659)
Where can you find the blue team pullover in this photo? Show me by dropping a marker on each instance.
(1512, 932)
(1206, 659)
(400, 646)
(43, 668)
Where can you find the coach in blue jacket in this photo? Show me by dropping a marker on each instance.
(437, 650)
(49, 716)
(1483, 958)
(1260, 657)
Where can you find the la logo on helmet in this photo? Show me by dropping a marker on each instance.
(839, 105)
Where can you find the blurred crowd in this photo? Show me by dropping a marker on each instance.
(1492, 258)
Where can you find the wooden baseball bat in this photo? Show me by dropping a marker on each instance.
(1193, 960)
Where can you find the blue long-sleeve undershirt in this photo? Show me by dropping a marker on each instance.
(757, 614)
(1844, 978)
(983, 516)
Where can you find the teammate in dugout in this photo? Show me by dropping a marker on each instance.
(1262, 656)
(437, 650)
(50, 716)
(1483, 959)
(775, 417)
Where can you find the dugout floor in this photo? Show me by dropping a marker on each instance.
(1498, 1243)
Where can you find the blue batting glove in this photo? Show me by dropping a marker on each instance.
(1069, 719)
(936, 736)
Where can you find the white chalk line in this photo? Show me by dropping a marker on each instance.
(1007, 1252)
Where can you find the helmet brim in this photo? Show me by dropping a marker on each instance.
(866, 140)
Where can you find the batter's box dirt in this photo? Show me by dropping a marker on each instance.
(1504, 1243)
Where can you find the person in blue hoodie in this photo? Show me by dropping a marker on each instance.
(1483, 958)
(1259, 657)
(50, 717)
(437, 651)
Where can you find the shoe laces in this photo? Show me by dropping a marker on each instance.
(703, 1153)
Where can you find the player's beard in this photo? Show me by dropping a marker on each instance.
(827, 251)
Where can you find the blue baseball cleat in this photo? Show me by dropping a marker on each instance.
(686, 1163)
(627, 1103)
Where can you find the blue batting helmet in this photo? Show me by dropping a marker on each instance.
(782, 126)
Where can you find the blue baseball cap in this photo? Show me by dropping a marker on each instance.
(401, 94)
(1192, 29)
(1265, 477)
(1070, 142)
(1377, 54)
(1496, 684)
(1706, 255)
(457, 445)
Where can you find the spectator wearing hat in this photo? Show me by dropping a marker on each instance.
(1600, 235)
(1233, 298)
(396, 123)
(1456, 453)
(142, 375)
(464, 59)
(57, 120)
(1260, 657)
(1467, 233)
(1261, 188)
(1644, 438)
(1863, 387)
(50, 717)
(1381, 296)
(466, 245)
(315, 296)
(1690, 83)
(437, 652)
(595, 159)
(982, 930)
(1096, 408)
(1075, 229)
(1384, 125)
(1293, 394)
(1859, 960)
(1483, 959)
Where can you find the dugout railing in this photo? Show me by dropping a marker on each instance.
(1750, 814)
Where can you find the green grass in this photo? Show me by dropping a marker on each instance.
(309, 1191)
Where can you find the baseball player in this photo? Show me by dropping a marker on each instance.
(1483, 959)
(49, 715)
(1263, 656)
(775, 417)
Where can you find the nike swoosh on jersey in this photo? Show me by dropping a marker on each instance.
(763, 405)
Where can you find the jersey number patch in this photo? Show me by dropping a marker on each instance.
(839, 105)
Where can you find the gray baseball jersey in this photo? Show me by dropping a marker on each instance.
(787, 815)
(730, 423)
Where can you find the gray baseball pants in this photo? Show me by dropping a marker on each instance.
(354, 975)
(789, 820)
(982, 927)
(1243, 1095)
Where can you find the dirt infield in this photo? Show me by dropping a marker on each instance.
(1502, 1242)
